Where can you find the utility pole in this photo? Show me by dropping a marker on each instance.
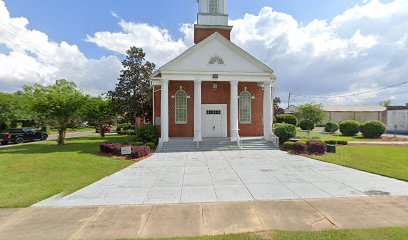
(289, 99)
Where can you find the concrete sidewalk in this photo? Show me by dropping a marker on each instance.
(150, 221)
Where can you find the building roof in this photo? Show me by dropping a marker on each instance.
(350, 108)
(397, 108)
(240, 54)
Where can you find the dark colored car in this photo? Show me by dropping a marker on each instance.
(20, 135)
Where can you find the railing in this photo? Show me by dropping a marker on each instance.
(160, 145)
(239, 144)
(196, 133)
(275, 140)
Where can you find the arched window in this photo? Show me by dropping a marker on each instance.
(213, 6)
(245, 108)
(181, 107)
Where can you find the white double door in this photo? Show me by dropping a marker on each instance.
(214, 120)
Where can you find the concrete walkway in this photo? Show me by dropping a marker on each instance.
(219, 176)
(151, 221)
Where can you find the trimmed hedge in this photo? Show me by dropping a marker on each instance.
(287, 118)
(349, 127)
(331, 127)
(288, 146)
(336, 142)
(151, 145)
(285, 131)
(372, 129)
(316, 147)
(125, 127)
(115, 149)
(306, 125)
(147, 133)
(299, 147)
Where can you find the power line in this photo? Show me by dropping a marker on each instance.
(352, 94)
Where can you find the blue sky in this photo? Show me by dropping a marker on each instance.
(315, 47)
(72, 20)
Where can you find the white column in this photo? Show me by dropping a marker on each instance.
(197, 111)
(234, 111)
(164, 110)
(268, 110)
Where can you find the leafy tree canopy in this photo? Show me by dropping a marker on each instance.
(99, 112)
(57, 105)
(311, 112)
(132, 96)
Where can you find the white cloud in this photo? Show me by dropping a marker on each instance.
(363, 48)
(158, 44)
(32, 58)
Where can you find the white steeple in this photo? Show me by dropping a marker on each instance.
(212, 12)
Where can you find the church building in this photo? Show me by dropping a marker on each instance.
(215, 89)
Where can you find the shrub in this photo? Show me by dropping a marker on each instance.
(125, 127)
(147, 133)
(331, 127)
(299, 147)
(285, 131)
(315, 147)
(129, 132)
(372, 129)
(341, 142)
(151, 144)
(349, 127)
(331, 142)
(136, 143)
(306, 125)
(315, 140)
(139, 151)
(287, 146)
(287, 118)
(115, 149)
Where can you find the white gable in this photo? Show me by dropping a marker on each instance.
(216, 54)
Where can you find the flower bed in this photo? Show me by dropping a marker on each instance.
(115, 150)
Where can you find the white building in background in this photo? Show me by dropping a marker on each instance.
(397, 119)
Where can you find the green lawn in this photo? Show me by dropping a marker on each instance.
(366, 234)
(391, 161)
(30, 173)
(337, 136)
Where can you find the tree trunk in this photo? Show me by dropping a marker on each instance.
(61, 136)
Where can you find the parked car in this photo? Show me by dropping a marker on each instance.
(107, 129)
(20, 135)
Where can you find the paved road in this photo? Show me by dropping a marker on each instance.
(219, 176)
(156, 221)
(54, 137)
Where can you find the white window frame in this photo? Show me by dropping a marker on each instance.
(213, 6)
(176, 107)
(249, 105)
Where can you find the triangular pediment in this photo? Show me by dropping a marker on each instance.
(216, 54)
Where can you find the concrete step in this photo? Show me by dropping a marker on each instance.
(215, 144)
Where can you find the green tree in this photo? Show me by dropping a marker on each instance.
(132, 96)
(99, 111)
(276, 106)
(311, 112)
(12, 107)
(58, 105)
(406, 104)
(385, 103)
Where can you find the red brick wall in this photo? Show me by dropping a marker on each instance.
(202, 33)
(256, 127)
(210, 96)
(181, 130)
